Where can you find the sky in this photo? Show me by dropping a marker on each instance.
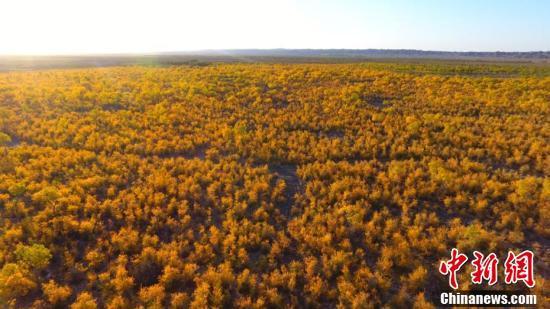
(135, 26)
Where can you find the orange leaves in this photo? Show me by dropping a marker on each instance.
(15, 281)
(54, 293)
(260, 185)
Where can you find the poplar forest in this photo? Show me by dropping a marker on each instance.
(267, 185)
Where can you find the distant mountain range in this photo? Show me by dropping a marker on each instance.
(369, 53)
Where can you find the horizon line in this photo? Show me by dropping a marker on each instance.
(191, 51)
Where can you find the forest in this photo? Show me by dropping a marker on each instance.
(267, 185)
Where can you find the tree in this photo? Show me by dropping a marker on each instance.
(421, 303)
(46, 195)
(15, 281)
(36, 256)
(152, 296)
(56, 294)
(4, 139)
(84, 301)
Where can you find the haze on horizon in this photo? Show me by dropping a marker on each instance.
(126, 26)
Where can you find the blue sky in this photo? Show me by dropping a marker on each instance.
(121, 26)
(486, 25)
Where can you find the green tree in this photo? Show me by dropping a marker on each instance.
(35, 256)
(4, 139)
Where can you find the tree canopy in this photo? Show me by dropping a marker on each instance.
(265, 185)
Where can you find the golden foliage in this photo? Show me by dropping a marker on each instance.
(249, 185)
